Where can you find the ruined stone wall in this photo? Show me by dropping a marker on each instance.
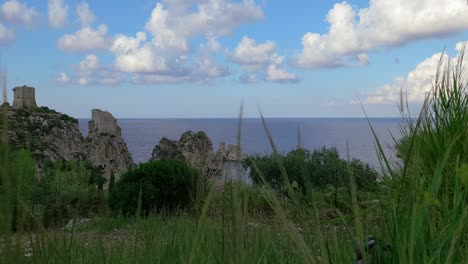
(24, 97)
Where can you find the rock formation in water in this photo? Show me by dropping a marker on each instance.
(105, 147)
(197, 150)
(194, 148)
(225, 154)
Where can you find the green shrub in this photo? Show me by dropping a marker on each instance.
(69, 189)
(43, 109)
(22, 113)
(162, 185)
(319, 168)
(68, 118)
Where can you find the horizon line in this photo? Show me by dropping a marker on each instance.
(383, 117)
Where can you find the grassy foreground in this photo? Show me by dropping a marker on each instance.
(418, 213)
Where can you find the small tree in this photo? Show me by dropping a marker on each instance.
(162, 185)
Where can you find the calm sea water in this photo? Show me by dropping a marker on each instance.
(141, 135)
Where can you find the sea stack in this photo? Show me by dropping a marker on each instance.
(105, 146)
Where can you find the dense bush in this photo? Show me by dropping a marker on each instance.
(158, 185)
(68, 118)
(66, 190)
(320, 168)
(44, 109)
(69, 189)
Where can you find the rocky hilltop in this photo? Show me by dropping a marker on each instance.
(197, 150)
(52, 136)
(49, 135)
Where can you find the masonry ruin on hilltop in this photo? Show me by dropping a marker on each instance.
(24, 97)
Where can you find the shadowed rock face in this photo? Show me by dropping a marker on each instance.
(194, 148)
(197, 150)
(105, 147)
(167, 149)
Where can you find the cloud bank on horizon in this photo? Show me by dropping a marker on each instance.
(419, 81)
(184, 42)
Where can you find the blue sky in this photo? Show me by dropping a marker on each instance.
(189, 58)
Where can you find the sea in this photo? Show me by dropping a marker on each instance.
(351, 136)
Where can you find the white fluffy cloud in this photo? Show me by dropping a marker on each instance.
(6, 35)
(276, 73)
(251, 55)
(87, 69)
(166, 54)
(260, 59)
(88, 72)
(58, 13)
(385, 23)
(135, 55)
(173, 25)
(418, 82)
(13, 11)
(85, 39)
(85, 15)
(199, 67)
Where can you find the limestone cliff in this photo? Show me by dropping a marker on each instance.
(47, 134)
(105, 147)
(51, 136)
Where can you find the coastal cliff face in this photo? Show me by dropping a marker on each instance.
(51, 136)
(47, 134)
(105, 147)
(197, 150)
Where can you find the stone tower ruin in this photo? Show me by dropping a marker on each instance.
(24, 97)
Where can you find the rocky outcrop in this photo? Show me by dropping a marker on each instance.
(197, 150)
(51, 136)
(229, 153)
(167, 149)
(194, 148)
(47, 134)
(105, 147)
(224, 154)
